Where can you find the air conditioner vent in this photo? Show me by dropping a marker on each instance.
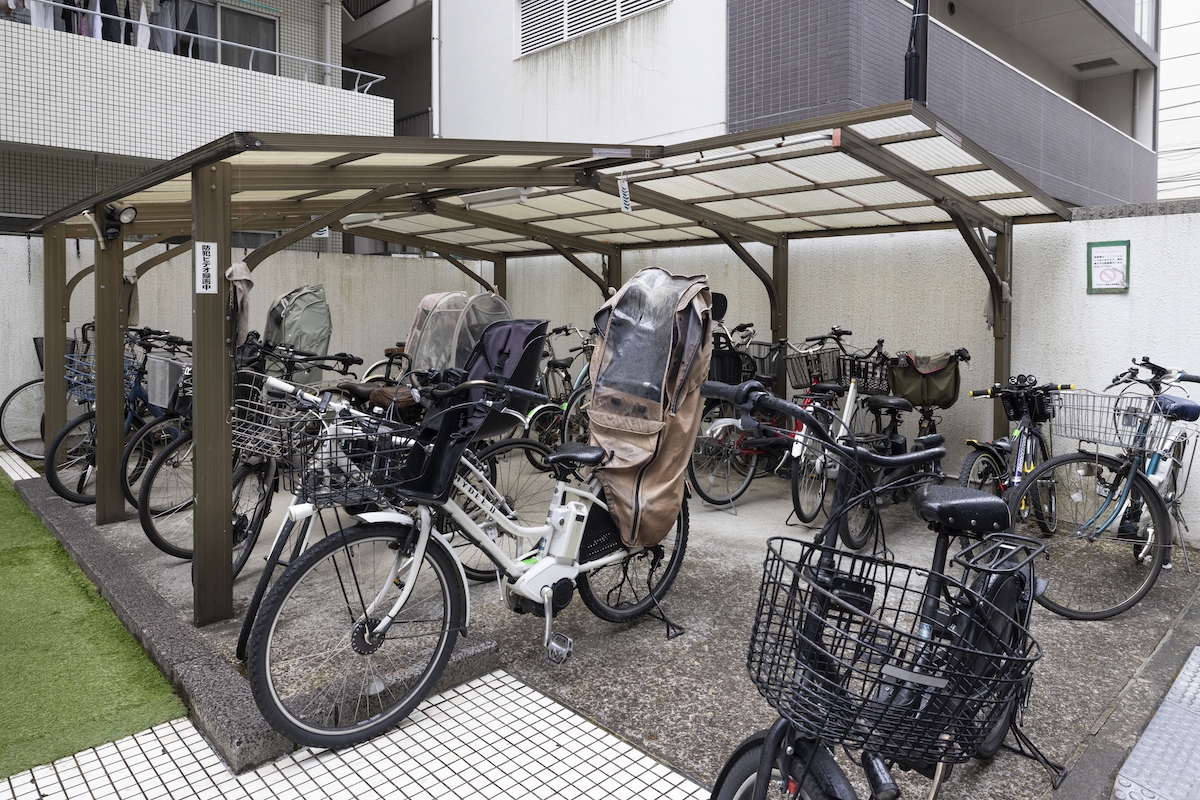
(1097, 64)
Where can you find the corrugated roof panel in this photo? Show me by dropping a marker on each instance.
(422, 223)
(931, 154)
(667, 235)
(738, 208)
(754, 178)
(510, 161)
(597, 198)
(620, 222)
(788, 225)
(464, 237)
(919, 215)
(701, 233)
(806, 202)
(560, 204)
(405, 159)
(514, 211)
(829, 167)
(280, 158)
(895, 126)
(980, 184)
(864, 219)
(570, 225)
(882, 194)
(1021, 207)
(657, 217)
(682, 187)
(618, 238)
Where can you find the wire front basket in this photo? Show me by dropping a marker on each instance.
(765, 357)
(869, 371)
(805, 369)
(1127, 421)
(348, 461)
(262, 424)
(81, 375)
(838, 652)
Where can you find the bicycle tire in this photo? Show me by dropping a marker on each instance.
(146, 443)
(252, 491)
(718, 470)
(166, 497)
(307, 675)
(546, 426)
(575, 415)
(70, 461)
(23, 420)
(809, 481)
(1093, 574)
(273, 560)
(741, 777)
(629, 588)
(858, 524)
(516, 468)
(981, 470)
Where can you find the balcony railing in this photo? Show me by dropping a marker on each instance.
(195, 45)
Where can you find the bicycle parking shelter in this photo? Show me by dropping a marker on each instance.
(886, 169)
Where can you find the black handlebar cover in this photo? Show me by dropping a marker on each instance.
(1187, 377)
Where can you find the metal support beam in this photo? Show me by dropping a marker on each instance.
(779, 320)
(613, 274)
(259, 254)
(498, 223)
(767, 279)
(465, 270)
(109, 348)
(432, 245)
(582, 267)
(500, 275)
(163, 257)
(212, 573)
(54, 332)
(410, 179)
(867, 152)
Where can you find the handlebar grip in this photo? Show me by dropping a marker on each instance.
(1189, 378)
(560, 330)
(525, 394)
(743, 326)
(354, 361)
(720, 391)
(820, 338)
(980, 393)
(1066, 387)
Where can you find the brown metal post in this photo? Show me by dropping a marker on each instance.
(54, 320)
(779, 319)
(500, 275)
(212, 573)
(110, 384)
(1002, 330)
(612, 274)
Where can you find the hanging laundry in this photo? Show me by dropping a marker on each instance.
(127, 26)
(41, 15)
(142, 39)
(162, 36)
(110, 24)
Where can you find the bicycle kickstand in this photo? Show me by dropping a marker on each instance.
(1029, 750)
(558, 645)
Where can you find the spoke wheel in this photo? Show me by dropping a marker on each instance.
(575, 415)
(719, 470)
(71, 460)
(317, 674)
(23, 421)
(982, 471)
(1110, 538)
(142, 448)
(809, 481)
(626, 589)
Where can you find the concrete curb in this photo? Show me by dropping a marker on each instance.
(217, 695)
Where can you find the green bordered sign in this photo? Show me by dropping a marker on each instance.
(1108, 267)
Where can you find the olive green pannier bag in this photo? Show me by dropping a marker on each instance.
(650, 359)
(925, 380)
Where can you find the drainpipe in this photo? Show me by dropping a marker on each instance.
(435, 73)
(916, 60)
(327, 7)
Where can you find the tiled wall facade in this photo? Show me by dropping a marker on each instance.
(797, 59)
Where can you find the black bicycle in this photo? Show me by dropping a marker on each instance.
(911, 667)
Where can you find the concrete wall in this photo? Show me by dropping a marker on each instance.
(659, 77)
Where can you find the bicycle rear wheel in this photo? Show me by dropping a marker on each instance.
(626, 589)
(23, 421)
(142, 448)
(1110, 537)
(71, 460)
(719, 470)
(575, 415)
(982, 471)
(316, 674)
(809, 481)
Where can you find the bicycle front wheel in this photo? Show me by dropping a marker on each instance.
(719, 470)
(71, 460)
(741, 776)
(142, 448)
(575, 415)
(809, 481)
(23, 422)
(317, 672)
(1110, 537)
(638, 577)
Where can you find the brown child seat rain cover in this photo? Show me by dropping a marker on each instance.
(651, 357)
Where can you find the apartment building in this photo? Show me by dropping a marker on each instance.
(1062, 90)
(97, 91)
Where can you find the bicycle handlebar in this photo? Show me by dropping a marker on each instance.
(999, 391)
(512, 391)
(751, 395)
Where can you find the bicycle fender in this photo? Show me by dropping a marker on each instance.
(436, 539)
(991, 449)
(749, 744)
(828, 774)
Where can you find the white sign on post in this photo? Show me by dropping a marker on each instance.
(206, 267)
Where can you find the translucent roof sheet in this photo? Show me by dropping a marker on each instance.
(873, 169)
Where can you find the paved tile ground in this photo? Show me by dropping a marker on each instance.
(493, 737)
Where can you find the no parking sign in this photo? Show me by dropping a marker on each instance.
(1108, 267)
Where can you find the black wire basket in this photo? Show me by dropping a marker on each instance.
(765, 358)
(804, 369)
(346, 460)
(869, 371)
(839, 653)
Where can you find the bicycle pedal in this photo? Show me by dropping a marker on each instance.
(559, 648)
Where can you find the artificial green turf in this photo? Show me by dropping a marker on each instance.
(71, 676)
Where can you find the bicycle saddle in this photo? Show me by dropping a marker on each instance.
(1177, 408)
(359, 391)
(827, 388)
(576, 453)
(888, 401)
(961, 509)
(561, 363)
